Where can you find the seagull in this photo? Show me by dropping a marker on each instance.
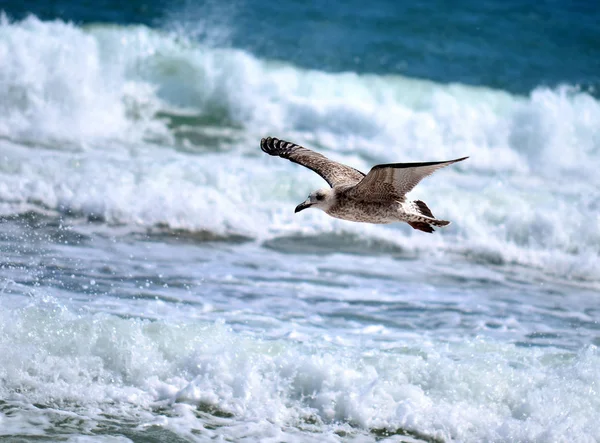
(378, 197)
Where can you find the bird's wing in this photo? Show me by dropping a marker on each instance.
(334, 173)
(395, 180)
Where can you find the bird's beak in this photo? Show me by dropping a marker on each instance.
(301, 206)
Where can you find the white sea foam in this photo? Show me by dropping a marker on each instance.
(146, 128)
(97, 370)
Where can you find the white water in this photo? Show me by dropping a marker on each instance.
(97, 365)
(80, 133)
(483, 331)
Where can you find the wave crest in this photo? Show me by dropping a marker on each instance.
(147, 128)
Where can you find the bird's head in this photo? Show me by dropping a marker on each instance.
(321, 198)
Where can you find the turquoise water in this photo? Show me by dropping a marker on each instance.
(514, 45)
(156, 285)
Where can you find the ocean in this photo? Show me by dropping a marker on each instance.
(156, 285)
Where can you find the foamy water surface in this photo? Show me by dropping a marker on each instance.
(156, 284)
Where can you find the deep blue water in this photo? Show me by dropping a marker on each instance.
(513, 45)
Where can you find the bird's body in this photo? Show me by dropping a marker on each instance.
(358, 210)
(347, 207)
(378, 197)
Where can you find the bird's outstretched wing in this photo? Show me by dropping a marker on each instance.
(395, 180)
(334, 173)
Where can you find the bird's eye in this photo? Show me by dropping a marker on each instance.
(319, 197)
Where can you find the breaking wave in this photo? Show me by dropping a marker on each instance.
(94, 371)
(134, 126)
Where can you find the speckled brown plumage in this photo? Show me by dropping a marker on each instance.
(378, 197)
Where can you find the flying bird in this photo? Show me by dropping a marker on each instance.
(378, 197)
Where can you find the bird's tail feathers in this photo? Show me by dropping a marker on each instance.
(423, 209)
(421, 226)
(425, 224)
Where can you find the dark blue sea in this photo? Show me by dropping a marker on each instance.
(157, 286)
